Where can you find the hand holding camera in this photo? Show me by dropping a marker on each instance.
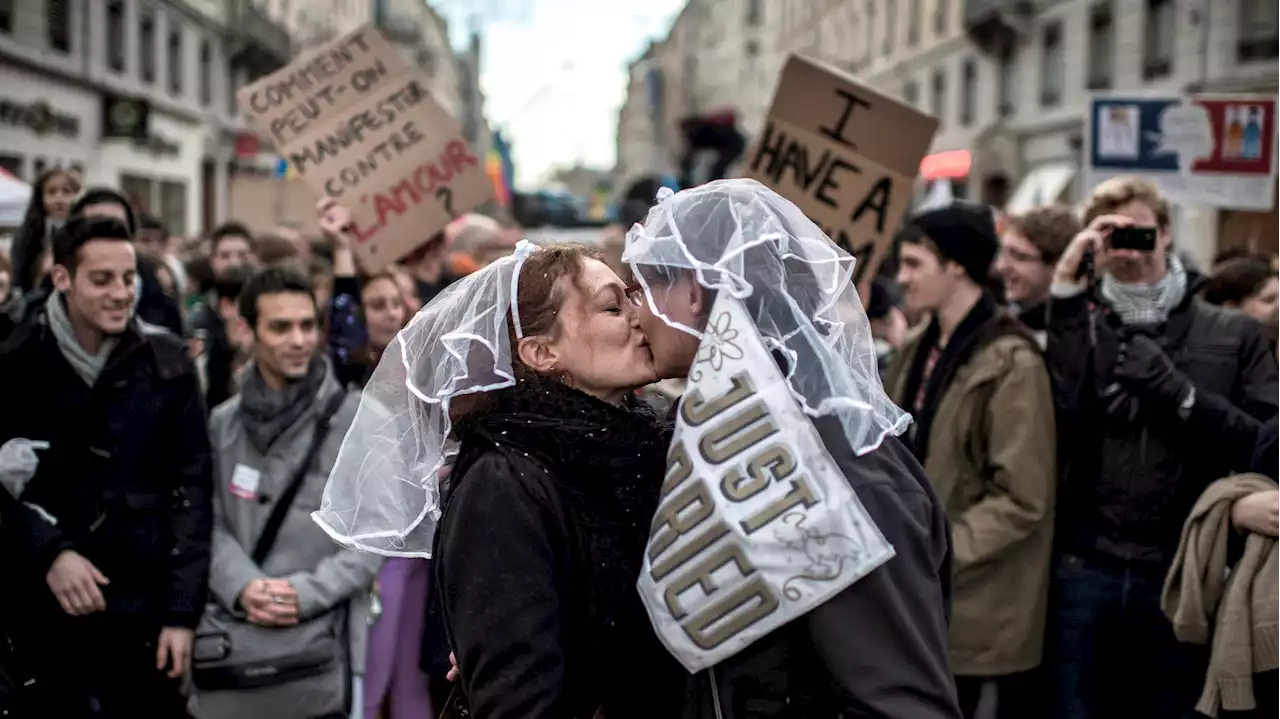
(1105, 234)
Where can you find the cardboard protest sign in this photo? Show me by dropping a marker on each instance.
(756, 525)
(358, 125)
(845, 154)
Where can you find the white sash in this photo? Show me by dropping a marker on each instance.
(757, 524)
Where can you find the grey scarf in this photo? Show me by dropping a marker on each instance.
(268, 413)
(1138, 304)
(86, 365)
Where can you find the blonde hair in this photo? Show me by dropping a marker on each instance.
(1111, 195)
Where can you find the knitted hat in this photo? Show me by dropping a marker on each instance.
(964, 233)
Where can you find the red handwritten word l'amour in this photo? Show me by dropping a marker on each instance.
(418, 185)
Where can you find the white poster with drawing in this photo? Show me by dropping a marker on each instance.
(756, 525)
(1118, 131)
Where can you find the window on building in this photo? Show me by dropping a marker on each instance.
(938, 102)
(1007, 84)
(755, 12)
(1052, 65)
(1102, 42)
(174, 57)
(751, 48)
(206, 73)
(6, 21)
(969, 91)
(871, 29)
(1257, 38)
(11, 164)
(57, 14)
(147, 48)
(941, 13)
(911, 92)
(890, 25)
(1157, 54)
(115, 35)
(40, 165)
(173, 207)
(138, 190)
(913, 23)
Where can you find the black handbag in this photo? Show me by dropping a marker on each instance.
(320, 643)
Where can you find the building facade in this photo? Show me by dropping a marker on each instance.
(1008, 80)
(134, 94)
(314, 22)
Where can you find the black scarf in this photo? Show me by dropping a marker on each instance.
(964, 340)
(267, 414)
(1035, 317)
(608, 462)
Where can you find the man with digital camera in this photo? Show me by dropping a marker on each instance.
(1159, 394)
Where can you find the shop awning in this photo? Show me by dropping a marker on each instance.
(15, 195)
(1042, 186)
(952, 164)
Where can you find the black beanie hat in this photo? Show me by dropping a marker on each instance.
(964, 233)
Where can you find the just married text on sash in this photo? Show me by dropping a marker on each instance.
(687, 509)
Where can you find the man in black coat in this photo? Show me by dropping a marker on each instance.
(879, 647)
(107, 544)
(1159, 394)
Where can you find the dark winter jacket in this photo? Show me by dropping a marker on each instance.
(538, 552)
(879, 648)
(127, 475)
(154, 306)
(348, 338)
(1127, 485)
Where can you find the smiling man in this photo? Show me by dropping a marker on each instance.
(976, 384)
(1029, 248)
(285, 593)
(110, 537)
(1159, 394)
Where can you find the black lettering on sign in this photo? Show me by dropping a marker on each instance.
(837, 133)
(397, 144)
(784, 152)
(703, 539)
(830, 181)
(362, 80)
(750, 426)
(800, 494)
(771, 463)
(877, 199)
(695, 411)
(735, 613)
(678, 517)
(357, 126)
(309, 87)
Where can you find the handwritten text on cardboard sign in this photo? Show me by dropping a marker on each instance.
(844, 154)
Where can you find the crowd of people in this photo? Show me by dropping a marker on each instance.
(1083, 506)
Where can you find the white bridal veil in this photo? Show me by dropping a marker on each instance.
(740, 237)
(383, 494)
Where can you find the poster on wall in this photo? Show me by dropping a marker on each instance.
(845, 154)
(357, 124)
(1216, 150)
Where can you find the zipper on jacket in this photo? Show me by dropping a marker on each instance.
(715, 693)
